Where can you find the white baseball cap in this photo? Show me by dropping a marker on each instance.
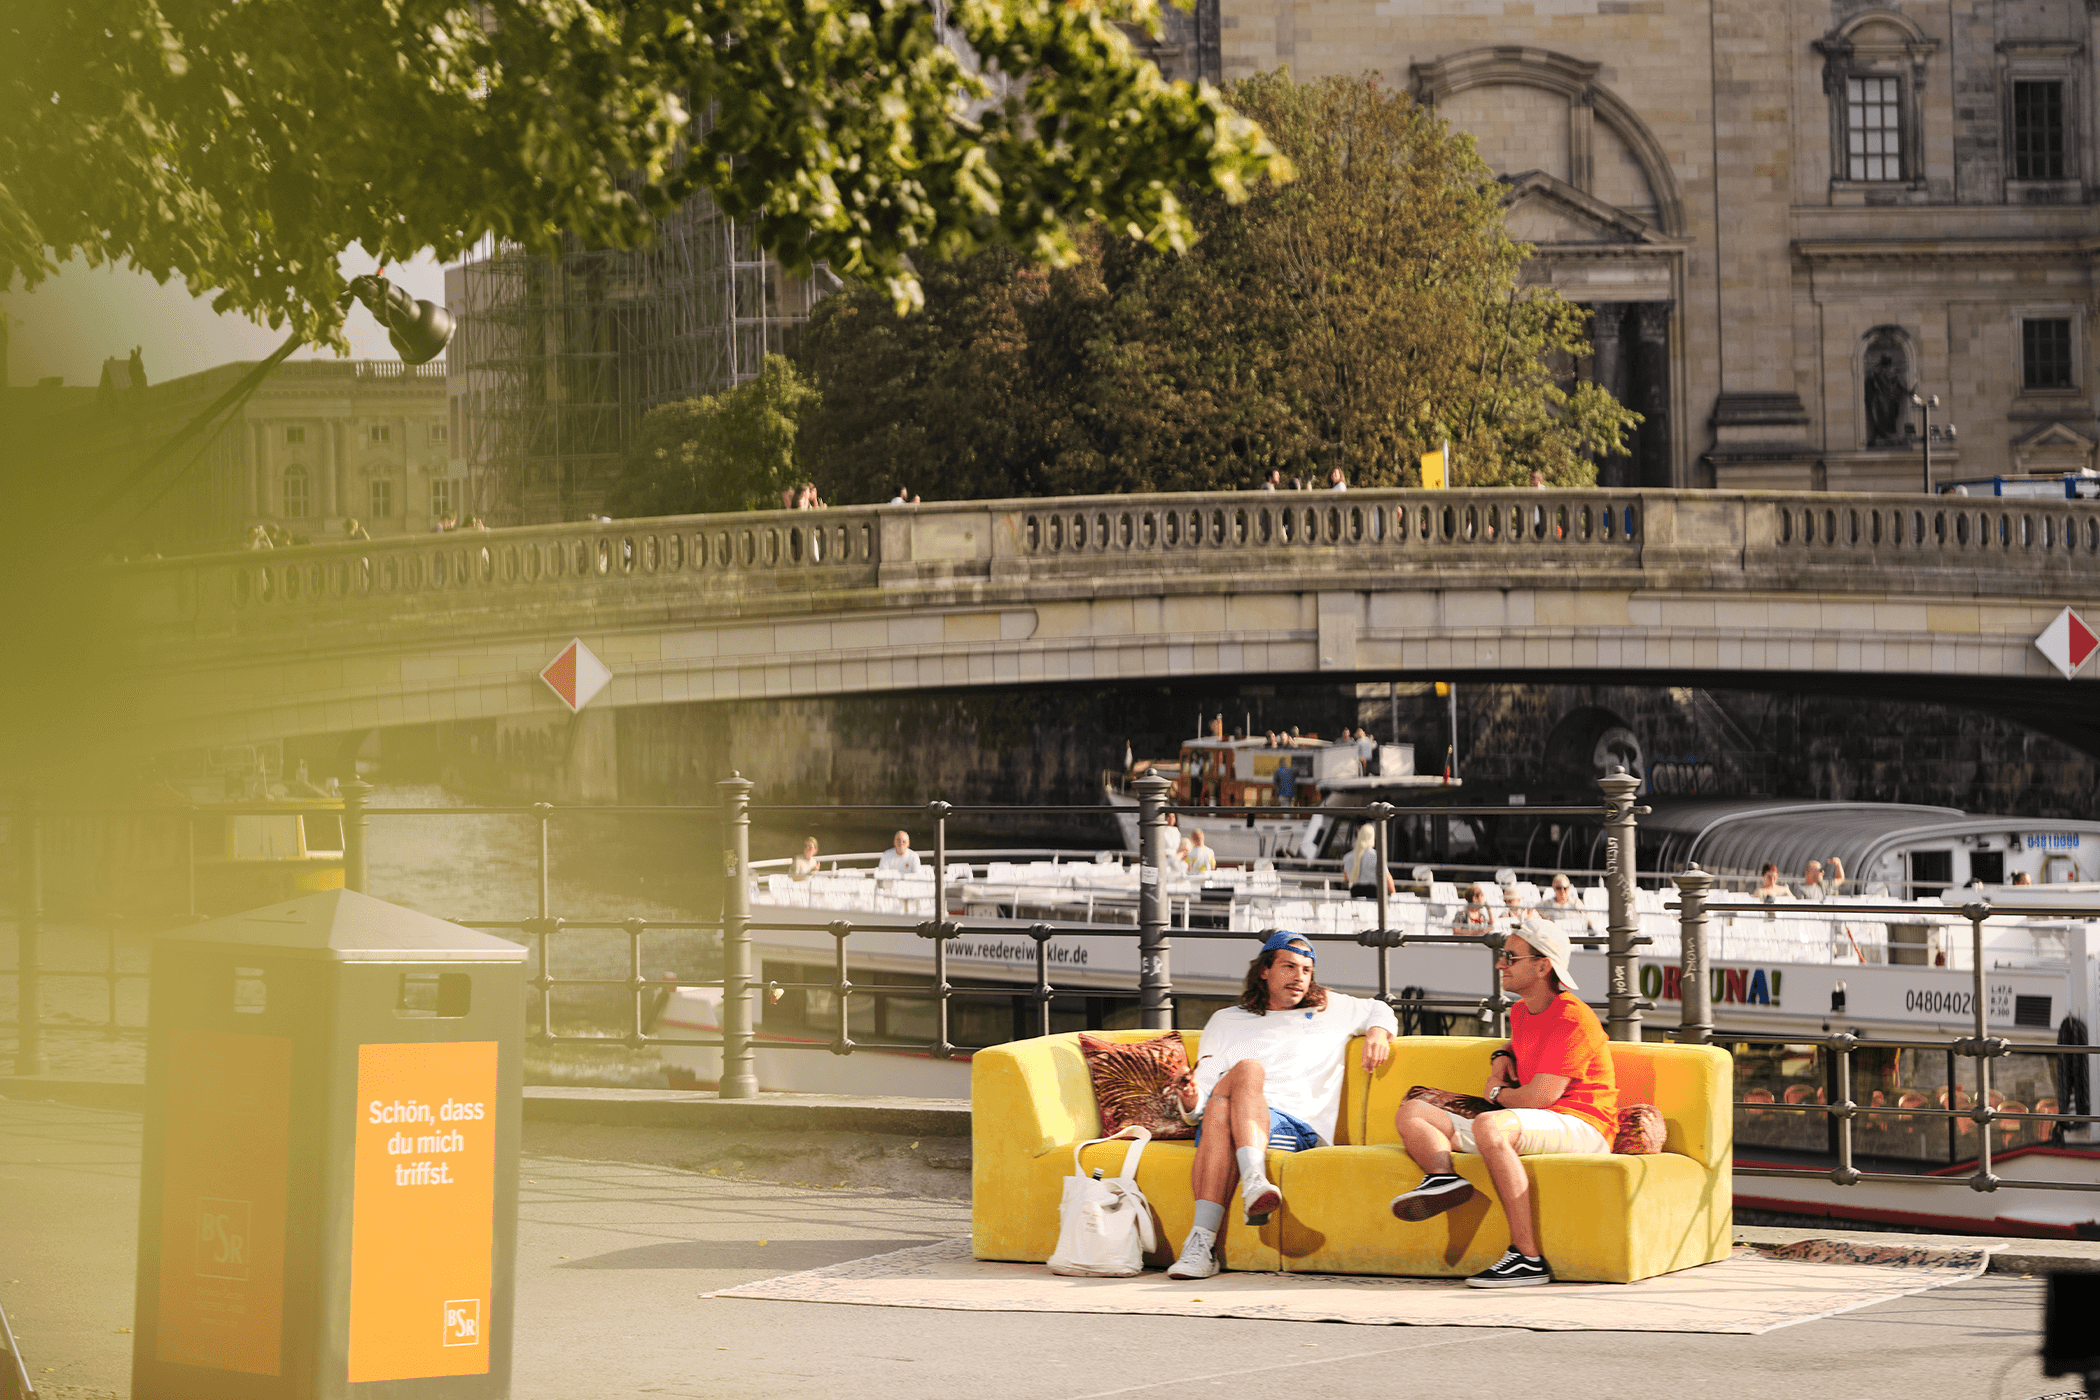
(1550, 941)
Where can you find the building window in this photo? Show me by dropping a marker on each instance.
(294, 436)
(438, 434)
(1873, 129)
(382, 500)
(441, 497)
(295, 493)
(378, 433)
(2045, 353)
(2038, 131)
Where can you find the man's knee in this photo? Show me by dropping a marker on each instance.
(1497, 1129)
(1421, 1111)
(1245, 1075)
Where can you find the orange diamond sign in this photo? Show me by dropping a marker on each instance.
(576, 675)
(2067, 642)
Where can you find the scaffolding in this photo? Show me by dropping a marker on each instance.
(556, 359)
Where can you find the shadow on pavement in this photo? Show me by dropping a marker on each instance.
(787, 1256)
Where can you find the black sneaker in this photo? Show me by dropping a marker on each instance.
(1438, 1192)
(1512, 1270)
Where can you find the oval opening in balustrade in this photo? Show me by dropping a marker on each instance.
(291, 584)
(486, 565)
(1173, 528)
(1786, 526)
(583, 558)
(1633, 522)
(817, 547)
(652, 553)
(1217, 527)
(2027, 532)
(1425, 527)
(1586, 524)
(1830, 527)
(1852, 526)
(2092, 535)
(1874, 526)
(627, 555)
(1286, 526)
(265, 585)
(437, 570)
(1102, 538)
(510, 563)
(2005, 532)
(1126, 530)
(605, 557)
(529, 562)
(1334, 524)
(1939, 528)
(1610, 523)
(1312, 525)
(1378, 524)
(1472, 524)
(243, 586)
(1513, 532)
(674, 551)
(772, 545)
(1961, 528)
(1078, 532)
(1356, 524)
(1057, 532)
(1450, 523)
(794, 546)
(1195, 527)
(1560, 522)
(1034, 533)
(316, 582)
(746, 548)
(1150, 529)
(867, 542)
(1241, 526)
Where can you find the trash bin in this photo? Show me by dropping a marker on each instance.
(329, 1194)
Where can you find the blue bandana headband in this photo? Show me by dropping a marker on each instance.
(1296, 942)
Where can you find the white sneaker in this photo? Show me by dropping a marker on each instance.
(1262, 1200)
(1198, 1257)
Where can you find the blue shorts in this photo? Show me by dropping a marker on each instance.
(1286, 1133)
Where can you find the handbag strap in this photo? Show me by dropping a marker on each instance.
(1143, 1135)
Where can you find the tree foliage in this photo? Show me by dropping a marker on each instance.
(243, 144)
(1355, 317)
(729, 451)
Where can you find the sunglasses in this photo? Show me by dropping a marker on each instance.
(1511, 959)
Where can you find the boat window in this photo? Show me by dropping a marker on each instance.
(1930, 872)
(1987, 866)
(324, 833)
(266, 837)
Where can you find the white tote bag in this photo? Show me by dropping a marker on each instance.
(1105, 1227)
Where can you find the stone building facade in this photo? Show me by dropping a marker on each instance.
(1788, 215)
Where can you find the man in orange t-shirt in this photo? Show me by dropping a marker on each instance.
(1566, 1100)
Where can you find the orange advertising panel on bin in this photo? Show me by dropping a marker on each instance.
(422, 1210)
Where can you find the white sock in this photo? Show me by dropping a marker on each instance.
(1253, 1166)
(1209, 1216)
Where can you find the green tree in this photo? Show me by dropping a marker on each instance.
(243, 144)
(1354, 317)
(729, 451)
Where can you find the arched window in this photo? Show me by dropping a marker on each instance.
(295, 499)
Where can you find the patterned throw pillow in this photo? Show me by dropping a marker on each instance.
(1641, 1130)
(1451, 1101)
(1134, 1082)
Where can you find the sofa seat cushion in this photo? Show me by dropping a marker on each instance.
(1601, 1218)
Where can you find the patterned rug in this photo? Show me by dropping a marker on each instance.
(1754, 1291)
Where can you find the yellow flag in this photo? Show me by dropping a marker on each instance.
(1433, 471)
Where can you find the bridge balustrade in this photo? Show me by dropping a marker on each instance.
(2037, 527)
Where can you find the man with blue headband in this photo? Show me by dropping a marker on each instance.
(1269, 1078)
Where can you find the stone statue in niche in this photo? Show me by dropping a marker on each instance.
(1887, 389)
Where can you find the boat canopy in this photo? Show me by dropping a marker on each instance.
(1737, 837)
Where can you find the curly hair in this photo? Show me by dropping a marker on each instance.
(1254, 993)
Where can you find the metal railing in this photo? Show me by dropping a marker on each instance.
(1694, 906)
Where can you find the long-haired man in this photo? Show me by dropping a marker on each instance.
(1269, 1078)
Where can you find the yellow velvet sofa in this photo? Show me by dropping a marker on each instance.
(1601, 1218)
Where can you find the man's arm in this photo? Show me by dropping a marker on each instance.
(1543, 1091)
(1377, 1025)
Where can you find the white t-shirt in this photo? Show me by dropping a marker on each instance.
(1202, 860)
(895, 864)
(1366, 748)
(1300, 1053)
(1361, 867)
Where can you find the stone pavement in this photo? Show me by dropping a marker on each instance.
(614, 1256)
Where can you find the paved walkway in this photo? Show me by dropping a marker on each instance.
(613, 1258)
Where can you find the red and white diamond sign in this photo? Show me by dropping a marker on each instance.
(576, 675)
(2067, 642)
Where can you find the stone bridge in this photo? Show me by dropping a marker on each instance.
(1906, 595)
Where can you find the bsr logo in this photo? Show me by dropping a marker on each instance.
(1726, 986)
(462, 1322)
(222, 1238)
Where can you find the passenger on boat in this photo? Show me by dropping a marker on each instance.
(1552, 1089)
(1269, 1083)
(1476, 915)
(900, 858)
(1178, 859)
(1513, 904)
(1568, 911)
(1286, 782)
(1366, 753)
(1201, 859)
(1768, 887)
(807, 864)
(1814, 887)
(1362, 866)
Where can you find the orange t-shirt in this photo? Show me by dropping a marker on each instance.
(1566, 1039)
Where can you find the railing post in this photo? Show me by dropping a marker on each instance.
(29, 918)
(541, 811)
(1383, 813)
(1982, 1114)
(1624, 1013)
(943, 1047)
(1695, 1024)
(1155, 981)
(356, 867)
(739, 1081)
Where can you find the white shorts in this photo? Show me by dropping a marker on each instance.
(1544, 1133)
